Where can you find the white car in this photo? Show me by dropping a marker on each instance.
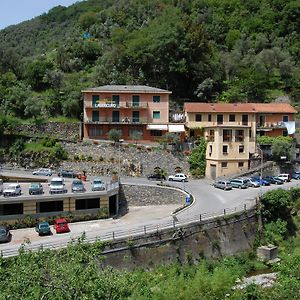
(14, 189)
(284, 177)
(57, 186)
(178, 177)
(43, 172)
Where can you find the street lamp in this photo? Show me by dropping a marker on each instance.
(120, 142)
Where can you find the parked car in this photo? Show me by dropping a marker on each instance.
(296, 175)
(261, 181)
(156, 176)
(67, 173)
(5, 235)
(61, 226)
(57, 185)
(1, 186)
(36, 189)
(77, 186)
(239, 183)
(285, 177)
(252, 182)
(43, 228)
(43, 172)
(178, 177)
(223, 184)
(273, 180)
(98, 184)
(14, 189)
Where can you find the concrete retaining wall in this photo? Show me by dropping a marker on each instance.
(188, 244)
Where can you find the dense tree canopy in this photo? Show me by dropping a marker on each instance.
(208, 50)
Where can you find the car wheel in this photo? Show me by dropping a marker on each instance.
(170, 179)
(240, 186)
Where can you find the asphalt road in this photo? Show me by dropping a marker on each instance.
(209, 201)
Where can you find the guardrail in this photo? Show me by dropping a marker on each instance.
(203, 218)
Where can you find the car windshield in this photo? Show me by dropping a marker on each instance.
(98, 182)
(34, 185)
(44, 226)
(56, 183)
(2, 231)
(77, 183)
(62, 224)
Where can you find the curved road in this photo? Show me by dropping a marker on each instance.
(209, 201)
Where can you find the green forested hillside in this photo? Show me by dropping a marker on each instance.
(202, 50)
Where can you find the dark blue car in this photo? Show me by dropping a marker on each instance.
(261, 181)
(296, 175)
(274, 179)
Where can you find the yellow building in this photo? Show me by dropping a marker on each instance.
(230, 129)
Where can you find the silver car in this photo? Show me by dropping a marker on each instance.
(223, 184)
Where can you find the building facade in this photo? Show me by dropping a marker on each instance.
(231, 130)
(133, 110)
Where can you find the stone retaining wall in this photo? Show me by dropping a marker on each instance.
(58, 130)
(140, 195)
(187, 244)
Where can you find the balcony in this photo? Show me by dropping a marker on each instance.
(270, 125)
(113, 105)
(123, 120)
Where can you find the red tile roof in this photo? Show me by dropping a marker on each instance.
(239, 107)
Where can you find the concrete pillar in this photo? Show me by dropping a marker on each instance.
(29, 207)
(104, 202)
(69, 204)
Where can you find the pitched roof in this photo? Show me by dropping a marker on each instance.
(239, 107)
(218, 107)
(127, 89)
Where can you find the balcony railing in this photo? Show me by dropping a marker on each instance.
(123, 120)
(271, 125)
(114, 105)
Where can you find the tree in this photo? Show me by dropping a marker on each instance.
(197, 159)
(114, 135)
(281, 148)
(137, 135)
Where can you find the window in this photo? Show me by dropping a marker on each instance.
(239, 135)
(49, 206)
(116, 100)
(87, 204)
(211, 136)
(224, 164)
(135, 116)
(156, 133)
(95, 116)
(156, 99)
(227, 135)
(209, 118)
(95, 99)
(285, 118)
(250, 133)
(241, 148)
(210, 150)
(156, 115)
(95, 131)
(231, 118)
(240, 164)
(225, 149)
(116, 116)
(135, 101)
(198, 118)
(284, 133)
(220, 119)
(136, 133)
(11, 209)
(245, 119)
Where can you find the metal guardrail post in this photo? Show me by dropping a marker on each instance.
(173, 223)
(224, 211)
(245, 207)
(113, 235)
(145, 229)
(200, 218)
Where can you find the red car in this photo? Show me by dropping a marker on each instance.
(61, 226)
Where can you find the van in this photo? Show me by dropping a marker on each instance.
(285, 177)
(223, 184)
(57, 185)
(239, 183)
(1, 186)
